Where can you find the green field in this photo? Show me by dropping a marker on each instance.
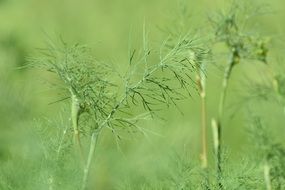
(129, 78)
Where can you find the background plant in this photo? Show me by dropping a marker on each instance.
(230, 28)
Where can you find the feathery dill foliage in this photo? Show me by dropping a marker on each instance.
(158, 77)
(83, 81)
(168, 78)
(148, 84)
(84, 78)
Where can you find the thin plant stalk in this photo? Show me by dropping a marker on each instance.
(204, 132)
(266, 170)
(233, 61)
(216, 142)
(204, 148)
(93, 144)
(75, 109)
(204, 157)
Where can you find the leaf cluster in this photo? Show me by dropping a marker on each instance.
(231, 28)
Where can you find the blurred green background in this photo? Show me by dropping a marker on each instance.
(105, 26)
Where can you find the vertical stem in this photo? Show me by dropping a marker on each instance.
(74, 119)
(204, 132)
(227, 75)
(234, 60)
(204, 158)
(267, 180)
(218, 124)
(93, 144)
(217, 146)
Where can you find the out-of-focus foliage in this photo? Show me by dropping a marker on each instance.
(36, 138)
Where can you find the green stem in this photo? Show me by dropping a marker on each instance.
(226, 78)
(201, 83)
(204, 156)
(92, 148)
(267, 180)
(216, 139)
(75, 109)
(204, 159)
(233, 61)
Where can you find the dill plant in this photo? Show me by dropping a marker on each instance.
(232, 28)
(154, 78)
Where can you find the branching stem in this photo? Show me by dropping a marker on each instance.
(130, 89)
(101, 126)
